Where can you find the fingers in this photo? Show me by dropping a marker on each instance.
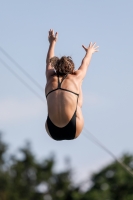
(92, 47)
(84, 48)
(96, 47)
(94, 44)
(51, 33)
(56, 35)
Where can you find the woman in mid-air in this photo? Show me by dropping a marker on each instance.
(63, 92)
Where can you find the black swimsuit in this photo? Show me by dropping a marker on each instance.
(67, 132)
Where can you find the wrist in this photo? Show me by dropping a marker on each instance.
(88, 53)
(52, 42)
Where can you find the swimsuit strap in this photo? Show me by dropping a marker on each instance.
(59, 86)
(69, 91)
(59, 83)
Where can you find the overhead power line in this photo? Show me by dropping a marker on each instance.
(92, 137)
(21, 69)
(21, 80)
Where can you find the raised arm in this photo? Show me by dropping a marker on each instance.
(52, 41)
(92, 48)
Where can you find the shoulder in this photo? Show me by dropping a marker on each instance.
(78, 74)
(50, 73)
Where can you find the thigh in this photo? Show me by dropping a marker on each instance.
(79, 121)
(46, 127)
(80, 99)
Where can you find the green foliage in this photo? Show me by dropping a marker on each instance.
(22, 179)
(3, 149)
(113, 182)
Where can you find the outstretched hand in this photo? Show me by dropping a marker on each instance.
(51, 36)
(92, 48)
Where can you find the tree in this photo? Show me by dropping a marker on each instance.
(29, 179)
(23, 178)
(4, 175)
(112, 182)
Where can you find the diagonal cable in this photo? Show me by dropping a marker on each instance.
(21, 69)
(92, 137)
(98, 143)
(22, 81)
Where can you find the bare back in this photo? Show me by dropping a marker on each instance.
(62, 104)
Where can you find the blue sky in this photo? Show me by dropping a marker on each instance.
(107, 87)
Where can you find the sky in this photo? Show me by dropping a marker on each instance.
(107, 87)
